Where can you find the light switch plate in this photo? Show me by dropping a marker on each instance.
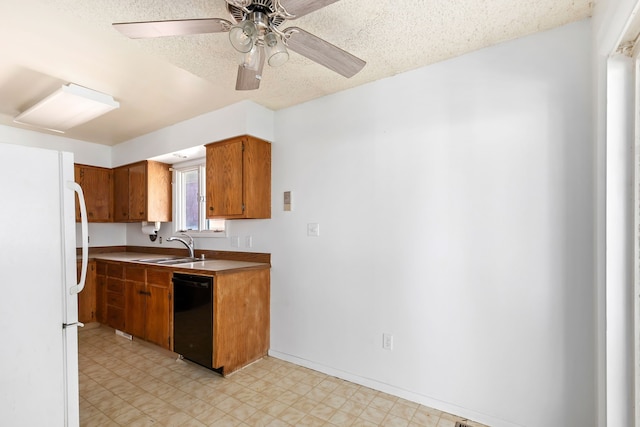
(313, 229)
(387, 341)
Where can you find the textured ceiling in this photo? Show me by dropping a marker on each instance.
(159, 82)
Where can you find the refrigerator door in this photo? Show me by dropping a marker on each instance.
(39, 367)
(70, 289)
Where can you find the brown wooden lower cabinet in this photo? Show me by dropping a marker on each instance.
(241, 322)
(138, 300)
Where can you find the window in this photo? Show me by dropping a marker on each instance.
(189, 189)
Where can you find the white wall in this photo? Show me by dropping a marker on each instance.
(257, 229)
(84, 152)
(455, 206)
(237, 119)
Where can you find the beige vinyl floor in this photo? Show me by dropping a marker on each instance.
(133, 383)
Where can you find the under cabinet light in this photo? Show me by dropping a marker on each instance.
(69, 106)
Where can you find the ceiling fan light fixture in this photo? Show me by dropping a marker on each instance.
(275, 50)
(243, 36)
(256, 25)
(251, 59)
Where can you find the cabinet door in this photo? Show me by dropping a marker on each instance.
(135, 300)
(121, 194)
(87, 298)
(138, 192)
(257, 178)
(224, 179)
(158, 192)
(159, 308)
(97, 187)
(158, 314)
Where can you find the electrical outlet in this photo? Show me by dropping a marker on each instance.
(313, 229)
(387, 341)
(235, 241)
(248, 241)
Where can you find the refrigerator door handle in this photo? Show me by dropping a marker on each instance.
(85, 237)
(71, 325)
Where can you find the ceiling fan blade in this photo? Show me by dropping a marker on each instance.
(180, 27)
(240, 3)
(250, 79)
(323, 52)
(299, 8)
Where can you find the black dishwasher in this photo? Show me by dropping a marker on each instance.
(193, 318)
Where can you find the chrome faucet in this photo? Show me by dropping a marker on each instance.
(188, 244)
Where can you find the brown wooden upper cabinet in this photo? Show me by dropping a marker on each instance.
(97, 186)
(142, 192)
(239, 178)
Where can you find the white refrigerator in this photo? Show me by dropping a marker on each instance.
(38, 287)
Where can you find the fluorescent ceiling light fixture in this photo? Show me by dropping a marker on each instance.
(69, 106)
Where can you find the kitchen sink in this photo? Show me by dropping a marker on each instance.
(168, 261)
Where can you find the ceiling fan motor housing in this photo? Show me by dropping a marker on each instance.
(261, 22)
(264, 7)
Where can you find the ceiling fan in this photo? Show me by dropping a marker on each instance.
(256, 34)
